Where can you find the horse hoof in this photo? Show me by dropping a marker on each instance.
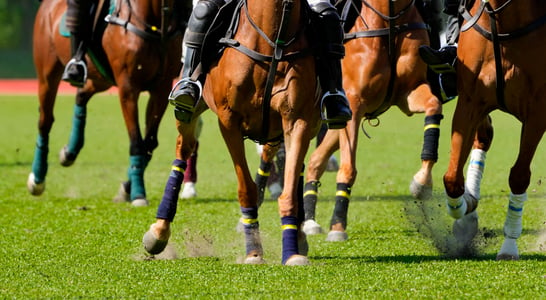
(189, 191)
(275, 190)
(420, 191)
(333, 165)
(122, 195)
(35, 189)
(509, 250)
(311, 227)
(152, 244)
(297, 260)
(254, 260)
(466, 228)
(140, 202)
(66, 159)
(337, 236)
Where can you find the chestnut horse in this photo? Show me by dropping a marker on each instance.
(381, 68)
(266, 97)
(137, 50)
(500, 66)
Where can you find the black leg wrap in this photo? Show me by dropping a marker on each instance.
(261, 179)
(431, 137)
(310, 196)
(342, 204)
(301, 209)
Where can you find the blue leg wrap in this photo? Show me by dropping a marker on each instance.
(75, 143)
(342, 205)
(252, 230)
(167, 207)
(39, 164)
(136, 175)
(431, 137)
(289, 237)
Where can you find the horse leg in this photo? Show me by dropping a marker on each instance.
(264, 170)
(317, 165)
(49, 73)
(422, 100)
(190, 176)
(519, 179)
(294, 243)
(133, 190)
(348, 141)
(466, 119)
(466, 228)
(156, 238)
(247, 195)
(69, 152)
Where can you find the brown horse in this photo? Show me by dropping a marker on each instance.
(137, 50)
(236, 90)
(382, 68)
(500, 66)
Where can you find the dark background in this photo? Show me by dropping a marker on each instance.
(16, 26)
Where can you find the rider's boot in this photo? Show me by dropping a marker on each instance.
(75, 71)
(334, 105)
(440, 61)
(188, 90)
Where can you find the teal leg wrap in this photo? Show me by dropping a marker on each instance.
(76, 140)
(39, 164)
(136, 175)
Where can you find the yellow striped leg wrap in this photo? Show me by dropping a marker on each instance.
(289, 226)
(249, 221)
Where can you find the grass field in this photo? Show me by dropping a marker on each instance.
(74, 242)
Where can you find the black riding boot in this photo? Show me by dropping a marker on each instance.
(334, 105)
(328, 31)
(75, 71)
(188, 90)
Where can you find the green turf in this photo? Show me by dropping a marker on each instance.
(74, 242)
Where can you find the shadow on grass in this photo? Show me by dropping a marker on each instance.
(413, 259)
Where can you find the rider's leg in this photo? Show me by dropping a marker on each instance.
(334, 105)
(448, 53)
(77, 19)
(187, 91)
(443, 61)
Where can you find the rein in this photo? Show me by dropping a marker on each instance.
(495, 37)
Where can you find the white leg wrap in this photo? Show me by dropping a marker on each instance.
(456, 207)
(512, 225)
(474, 173)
